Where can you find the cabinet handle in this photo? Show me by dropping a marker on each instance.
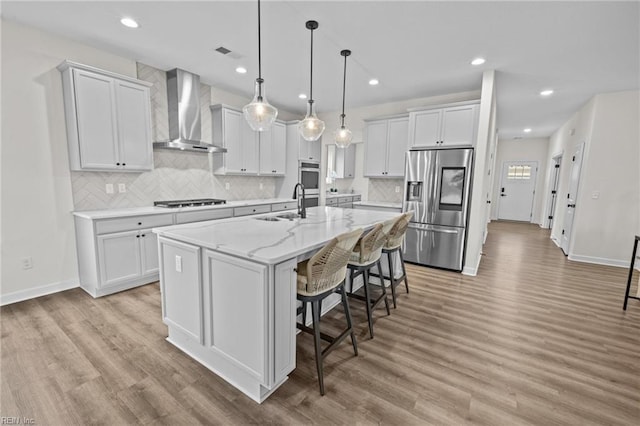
(117, 164)
(124, 164)
(139, 223)
(137, 236)
(143, 235)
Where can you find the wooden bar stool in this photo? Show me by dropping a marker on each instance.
(365, 256)
(393, 245)
(319, 277)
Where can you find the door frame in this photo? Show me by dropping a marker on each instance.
(552, 191)
(535, 180)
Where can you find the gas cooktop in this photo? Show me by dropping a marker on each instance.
(188, 203)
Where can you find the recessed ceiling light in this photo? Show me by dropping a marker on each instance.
(302, 96)
(478, 61)
(241, 70)
(374, 82)
(547, 92)
(527, 130)
(129, 22)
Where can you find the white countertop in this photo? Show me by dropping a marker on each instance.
(379, 204)
(141, 211)
(273, 242)
(340, 194)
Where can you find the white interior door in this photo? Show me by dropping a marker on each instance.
(574, 180)
(553, 191)
(517, 190)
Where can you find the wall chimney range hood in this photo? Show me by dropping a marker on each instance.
(183, 95)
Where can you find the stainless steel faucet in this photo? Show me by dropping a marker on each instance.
(302, 211)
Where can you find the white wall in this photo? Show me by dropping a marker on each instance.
(603, 227)
(36, 186)
(533, 149)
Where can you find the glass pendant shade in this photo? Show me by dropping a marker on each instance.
(311, 127)
(343, 137)
(259, 113)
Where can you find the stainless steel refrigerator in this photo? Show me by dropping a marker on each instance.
(437, 190)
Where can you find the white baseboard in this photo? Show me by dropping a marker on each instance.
(555, 241)
(599, 260)
(470, 270)
(31, 293)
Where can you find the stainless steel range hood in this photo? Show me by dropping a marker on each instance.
(183, 95)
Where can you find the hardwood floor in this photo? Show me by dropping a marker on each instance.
(533, 339)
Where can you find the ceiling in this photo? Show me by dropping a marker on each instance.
(415, 48)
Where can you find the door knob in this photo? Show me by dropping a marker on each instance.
(503, 195)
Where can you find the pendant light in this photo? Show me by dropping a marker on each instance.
(311, 127)
(343, 135)
(259, 113)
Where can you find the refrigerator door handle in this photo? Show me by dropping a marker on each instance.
(433, 228)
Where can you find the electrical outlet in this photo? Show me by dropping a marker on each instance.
(261, 185)
(178, 263)
(397, 189)
(227, 185)
(109, 188)
(595, 195)
(27, 262)
(122, 188)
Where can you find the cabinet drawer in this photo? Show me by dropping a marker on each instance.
(283, 206)
(107, 226)
(200, 215)
(244, 211)
(344, 200)
(357, 198)
(332, 201)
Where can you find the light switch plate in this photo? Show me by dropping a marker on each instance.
(397, 189)
(227, 185)
(109, 188)
(122, 188)
(178, 263)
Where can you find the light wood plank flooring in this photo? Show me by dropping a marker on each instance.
(533, 339)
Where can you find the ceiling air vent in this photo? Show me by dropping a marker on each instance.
(223, 50)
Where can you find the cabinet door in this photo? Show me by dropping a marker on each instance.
(134, 125)
(345, 162)
(315, 148)
(249, 148)
(279, 148)
(375, 148)
(149, 252)
(266, 153)
(397, 145)
(458, 125)
(119, 256)
(424, 127)
(96, 118)
(233, 131)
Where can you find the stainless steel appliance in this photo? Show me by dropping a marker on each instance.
(437, 189)
(185, 129)
(309, 176)
(188, 203)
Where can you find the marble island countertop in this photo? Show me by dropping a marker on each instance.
(385, 204)
(271, 242)
(141, 211)
(341, 194)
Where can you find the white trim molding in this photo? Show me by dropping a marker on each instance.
(32, 293)
(470, 270)
(599, 260)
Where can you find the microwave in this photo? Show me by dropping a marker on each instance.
(309, 176)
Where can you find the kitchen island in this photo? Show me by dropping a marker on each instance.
(229, 289)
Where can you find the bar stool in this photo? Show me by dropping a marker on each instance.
(319, 277)
(393, 245)
(365, 256)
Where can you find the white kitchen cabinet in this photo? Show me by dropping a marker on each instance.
(231, 131)
(116, 254)
(108, 118)
(273, 150)
(450, 126)
(306, 150)
(345, 163)
(385, 147)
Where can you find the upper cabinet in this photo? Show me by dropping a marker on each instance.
(108, 119)
(231, 131)
(385, 145)
(450, 126)
(341, 162)
(307, 150)
(273, 148)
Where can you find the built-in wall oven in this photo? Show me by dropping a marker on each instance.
(309, 176)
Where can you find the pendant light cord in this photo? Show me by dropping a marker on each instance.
(344, 88)
(311, 80)
(259, 56)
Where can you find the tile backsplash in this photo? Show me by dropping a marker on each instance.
(176, 175)
(385, 190)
